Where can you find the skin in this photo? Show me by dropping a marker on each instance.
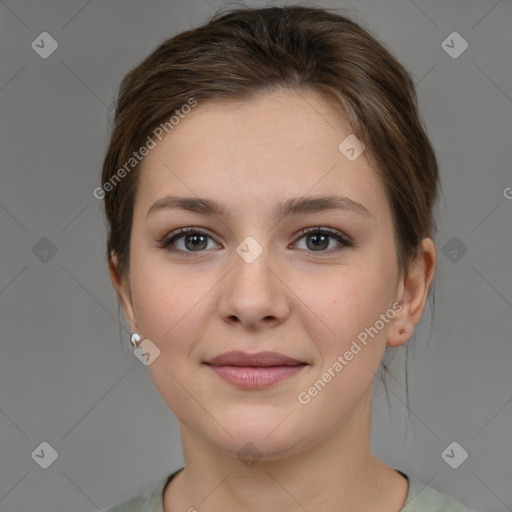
(305, 303)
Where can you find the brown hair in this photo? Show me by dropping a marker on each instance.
(245, 52)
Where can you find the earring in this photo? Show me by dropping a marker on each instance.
(402, 331)
(134, 339)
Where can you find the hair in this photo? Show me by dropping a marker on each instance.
(247, 52)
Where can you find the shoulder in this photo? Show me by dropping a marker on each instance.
(134, 504)
(151, 501)
(423, 498)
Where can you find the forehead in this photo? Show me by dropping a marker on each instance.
(279, 145)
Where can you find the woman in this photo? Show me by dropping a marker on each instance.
(269, 189)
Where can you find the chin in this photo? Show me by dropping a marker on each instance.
(267, 437)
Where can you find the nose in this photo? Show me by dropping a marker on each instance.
(254, 294)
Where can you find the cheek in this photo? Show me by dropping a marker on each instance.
(355, 296)
(157, 296)
(350, 350)
(169, 302)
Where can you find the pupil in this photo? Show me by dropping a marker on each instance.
(195, 243)
(321, 243)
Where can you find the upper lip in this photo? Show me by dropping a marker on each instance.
(237, 358)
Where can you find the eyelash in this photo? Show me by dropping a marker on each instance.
(166, 242)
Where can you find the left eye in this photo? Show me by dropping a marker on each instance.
(318, 238)
(195, 240)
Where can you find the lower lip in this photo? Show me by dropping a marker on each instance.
(252, 377)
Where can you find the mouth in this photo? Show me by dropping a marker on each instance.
(254, 371)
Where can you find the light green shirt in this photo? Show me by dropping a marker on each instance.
(420, 498)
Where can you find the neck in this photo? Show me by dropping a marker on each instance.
(337, 472)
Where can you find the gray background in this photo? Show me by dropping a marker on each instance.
(66, 379)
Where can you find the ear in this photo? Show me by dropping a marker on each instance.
(122, 287)
(412, 294)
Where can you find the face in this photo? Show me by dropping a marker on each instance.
(248, 279)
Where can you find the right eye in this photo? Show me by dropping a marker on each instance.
(191, 240)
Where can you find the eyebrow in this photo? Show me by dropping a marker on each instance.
(294, 206)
